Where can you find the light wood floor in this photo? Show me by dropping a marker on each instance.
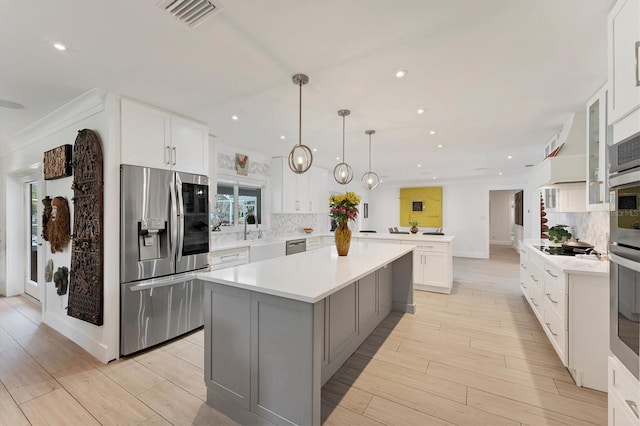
(475, 357)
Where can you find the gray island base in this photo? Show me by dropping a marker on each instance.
(277, 330)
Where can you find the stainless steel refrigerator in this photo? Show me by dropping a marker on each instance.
(164, 242)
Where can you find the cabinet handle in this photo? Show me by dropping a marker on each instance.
(167, 155)
(533, 278)
(523, 266)
(534, 302)
(297, 205)
(634, 407)
(175, 156)
(522, 284)
(311, 206)
(551, 273)
(229, 255)
(552, 333)
(549, 297)
(637, 68)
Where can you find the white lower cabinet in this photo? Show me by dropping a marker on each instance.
(573, 310)
(432, 267)
(624, 395)
(220, 259)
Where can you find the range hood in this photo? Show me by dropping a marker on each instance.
(570, 165)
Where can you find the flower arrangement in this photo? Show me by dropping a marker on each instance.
(414, 223)
(344, 207)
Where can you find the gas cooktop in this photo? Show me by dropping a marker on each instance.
(556, 251)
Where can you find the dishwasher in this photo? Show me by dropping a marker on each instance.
(296, 246)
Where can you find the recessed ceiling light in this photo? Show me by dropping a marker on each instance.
(401, 73)
(315, 149)
(282, 137)
(500, 173)
(421, 111)
(439, 145)
(434, 177)
(234, 117)
(338, 158)
(433, 132)
(60, 46)
(419, 165)
(509, 157)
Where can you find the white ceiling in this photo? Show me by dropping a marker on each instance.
(495, 77)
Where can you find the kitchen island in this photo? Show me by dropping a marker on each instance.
(277, 330)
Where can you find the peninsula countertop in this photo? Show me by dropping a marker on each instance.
(310, 276)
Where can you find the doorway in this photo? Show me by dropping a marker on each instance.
(503, 227)
(30, 212)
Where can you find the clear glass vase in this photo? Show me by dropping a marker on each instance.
(342, 235)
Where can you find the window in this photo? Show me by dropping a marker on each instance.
(234, 202)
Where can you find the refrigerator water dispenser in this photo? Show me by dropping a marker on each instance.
(152, 239)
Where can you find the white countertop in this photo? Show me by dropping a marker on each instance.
(310, 276)
(570, 264)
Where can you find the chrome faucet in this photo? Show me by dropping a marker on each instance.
(251, 219)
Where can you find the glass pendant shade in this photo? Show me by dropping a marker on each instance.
(342, 172)
(300, 157)
(369, 180)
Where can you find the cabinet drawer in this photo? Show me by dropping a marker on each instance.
(226, 258)
(554, 327)
(432, 247)
(536, 301)
(555, 296)
(556, 277)
(624, 386)
(313, 243)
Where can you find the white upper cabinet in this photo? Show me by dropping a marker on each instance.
(298, 193)
(145, 135)
(623, 68)
(152, 137)
(598, 140)
(189, 146)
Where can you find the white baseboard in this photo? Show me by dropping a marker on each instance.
(97, 349)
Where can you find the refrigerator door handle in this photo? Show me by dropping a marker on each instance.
(174, 223)
(180, 206)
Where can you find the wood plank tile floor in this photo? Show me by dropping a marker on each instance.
(475, 357)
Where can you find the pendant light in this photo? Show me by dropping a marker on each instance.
(342, 172)
(370, 180)
(300, 157)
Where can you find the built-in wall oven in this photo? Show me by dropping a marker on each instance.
(624, 253)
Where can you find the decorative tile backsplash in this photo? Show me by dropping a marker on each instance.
(255, 167)
(281, 225)
(591, 227)
(287, 224)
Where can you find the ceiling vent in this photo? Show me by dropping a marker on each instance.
(191, 12)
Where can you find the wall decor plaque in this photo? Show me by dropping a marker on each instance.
(242, 164)
(86, 289)
(57, 162)
(59, 225)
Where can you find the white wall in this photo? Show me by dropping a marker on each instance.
(98, 111)
(500, 216)
(465, 210)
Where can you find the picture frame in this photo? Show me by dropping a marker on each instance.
(365, 210)
(417, 206)
(57, 162)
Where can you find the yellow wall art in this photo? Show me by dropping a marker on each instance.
(423, 205)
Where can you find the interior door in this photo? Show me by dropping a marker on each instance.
(32, 239)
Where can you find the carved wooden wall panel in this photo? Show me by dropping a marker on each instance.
(86, 289)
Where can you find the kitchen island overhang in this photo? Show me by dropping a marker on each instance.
(277, 330)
